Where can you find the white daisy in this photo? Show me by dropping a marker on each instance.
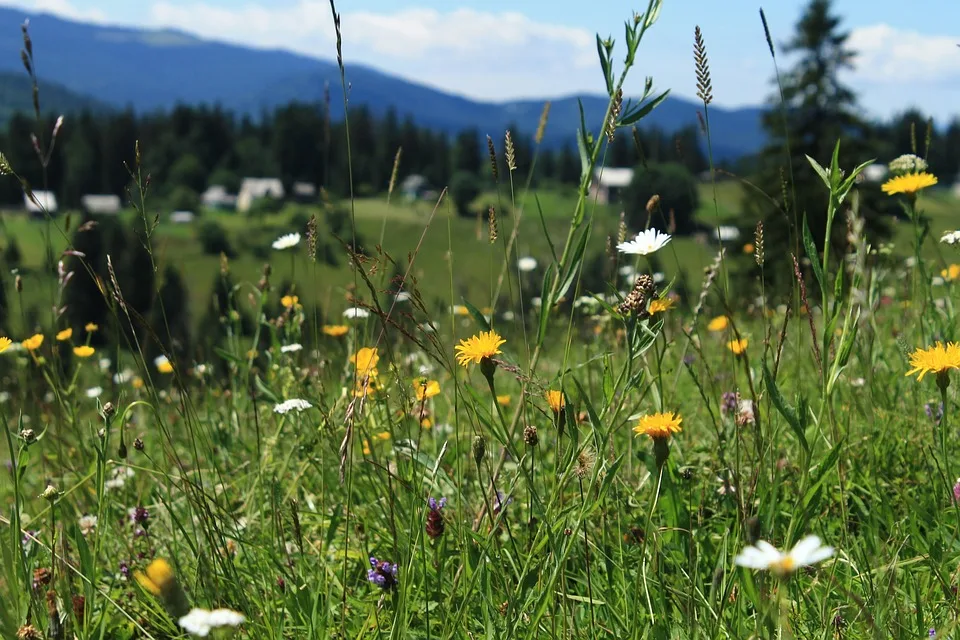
(159, 361)
(950, 237)
(291, 348)
(121, 377)
(94, 392)
(353, 313)
(87, 524)
(286, 241)
(200, 622)
(296, 404)
(646, 242)
(104, 364)
(527, 264)
(402, 296)
(764, 556)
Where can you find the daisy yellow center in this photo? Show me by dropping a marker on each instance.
(784, 565)
(474, 349)
(658, 425)
(909, 183)
(936, 359)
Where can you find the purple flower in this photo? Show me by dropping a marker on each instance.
(436, 505)
(689, 359)
(383, 574)
(28, 537)
(139, 515)
(956, 490)
(729, 402)
(500, 503)
(435, 524)
(936, 417)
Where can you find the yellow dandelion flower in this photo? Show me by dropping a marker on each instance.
(157, 578)
(660, 305)
(478, 347)
(556, 400)
(718, 324)
(335, 330)
(738, 346)
(33, 342)
(951, 273)
(937, 359)
(503, 400)
(83, 351)
(426, 388)
(909, 183)
(65, 334)
(289, 301)
(658, 426)
(91, 327)
(365, 360)
(5, 343)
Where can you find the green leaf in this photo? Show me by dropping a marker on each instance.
(820, 171)
(546, 233)
(477, 316)
(789, 413)
(811, 249)
(544, 305)
(642, 111)
(605, 65)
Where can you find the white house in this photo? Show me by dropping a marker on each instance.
(304, 191)
(216, 197)
(101, 204)
(608, 183)
(253, 189)
(41, 202)
(726, 233)
(414, 186)
(182, 217)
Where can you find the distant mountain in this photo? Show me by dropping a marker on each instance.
(157, 69)
(16, 96)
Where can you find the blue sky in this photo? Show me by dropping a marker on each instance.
(500, 49)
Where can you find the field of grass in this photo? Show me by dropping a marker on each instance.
(554, 466)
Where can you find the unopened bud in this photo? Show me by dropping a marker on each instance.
(51, 493)
(479, 448)
(109, 410)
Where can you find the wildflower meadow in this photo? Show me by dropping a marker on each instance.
(576, 449)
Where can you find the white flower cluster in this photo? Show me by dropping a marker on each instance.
(200, 622)
(295, 404)
(950, 237)
(907, 163)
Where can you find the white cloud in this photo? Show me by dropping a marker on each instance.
(463, 50)
(64, 9)
(889, 55)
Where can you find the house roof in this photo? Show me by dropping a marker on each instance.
(101, 202)
(613, 176)
(261, 187)
(41, 201)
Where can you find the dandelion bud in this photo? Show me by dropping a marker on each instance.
(28, 436)
(51, 493)
(109, 410)
(479, 448)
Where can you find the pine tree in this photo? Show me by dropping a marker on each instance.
(170, 317)
(84, 300)
(817, 111)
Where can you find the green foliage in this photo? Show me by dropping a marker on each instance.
(464, 189)
(183, 198)
(213, 239)
(678, 193)
(12, 256)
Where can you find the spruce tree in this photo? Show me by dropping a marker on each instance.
(816, 111)
(83, 298)
(170, 318)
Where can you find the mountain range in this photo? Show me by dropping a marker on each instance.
(149, 70)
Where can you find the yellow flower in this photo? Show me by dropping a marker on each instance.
(137, 382)
(83, 351)
(5, 343)
(738, 346)
(91, 327)
(335, 330)
(937, 359)
(749, 248)
(478, 347)
(165, 367)
(158, 577)
(365, 360)
(33, 342)
(383, 435)
(951, 273)
(289, 301)
(64, 335)
(366, 447)
(660, 305)
(909, 183)
(503, 400)
(426, 388)
(366, 385)
(555, 400)
(718, 324)
(460, 310)
(658, 426)
(425, 423)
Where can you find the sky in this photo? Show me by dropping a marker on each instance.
(505, 49)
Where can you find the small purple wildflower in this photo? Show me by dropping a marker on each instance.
(956, 490)
(28, 537)
(125, 569)
(435, 524)
(139, 515)
(729, 403)
(928, 408)
(383, 574)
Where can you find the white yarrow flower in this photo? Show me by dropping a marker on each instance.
(764, 556)
(353, 313)
(951, 237)
(295, 404)
(527, 264)
(291, 348)
(287, 241)
(646, 242)
(200, 622)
